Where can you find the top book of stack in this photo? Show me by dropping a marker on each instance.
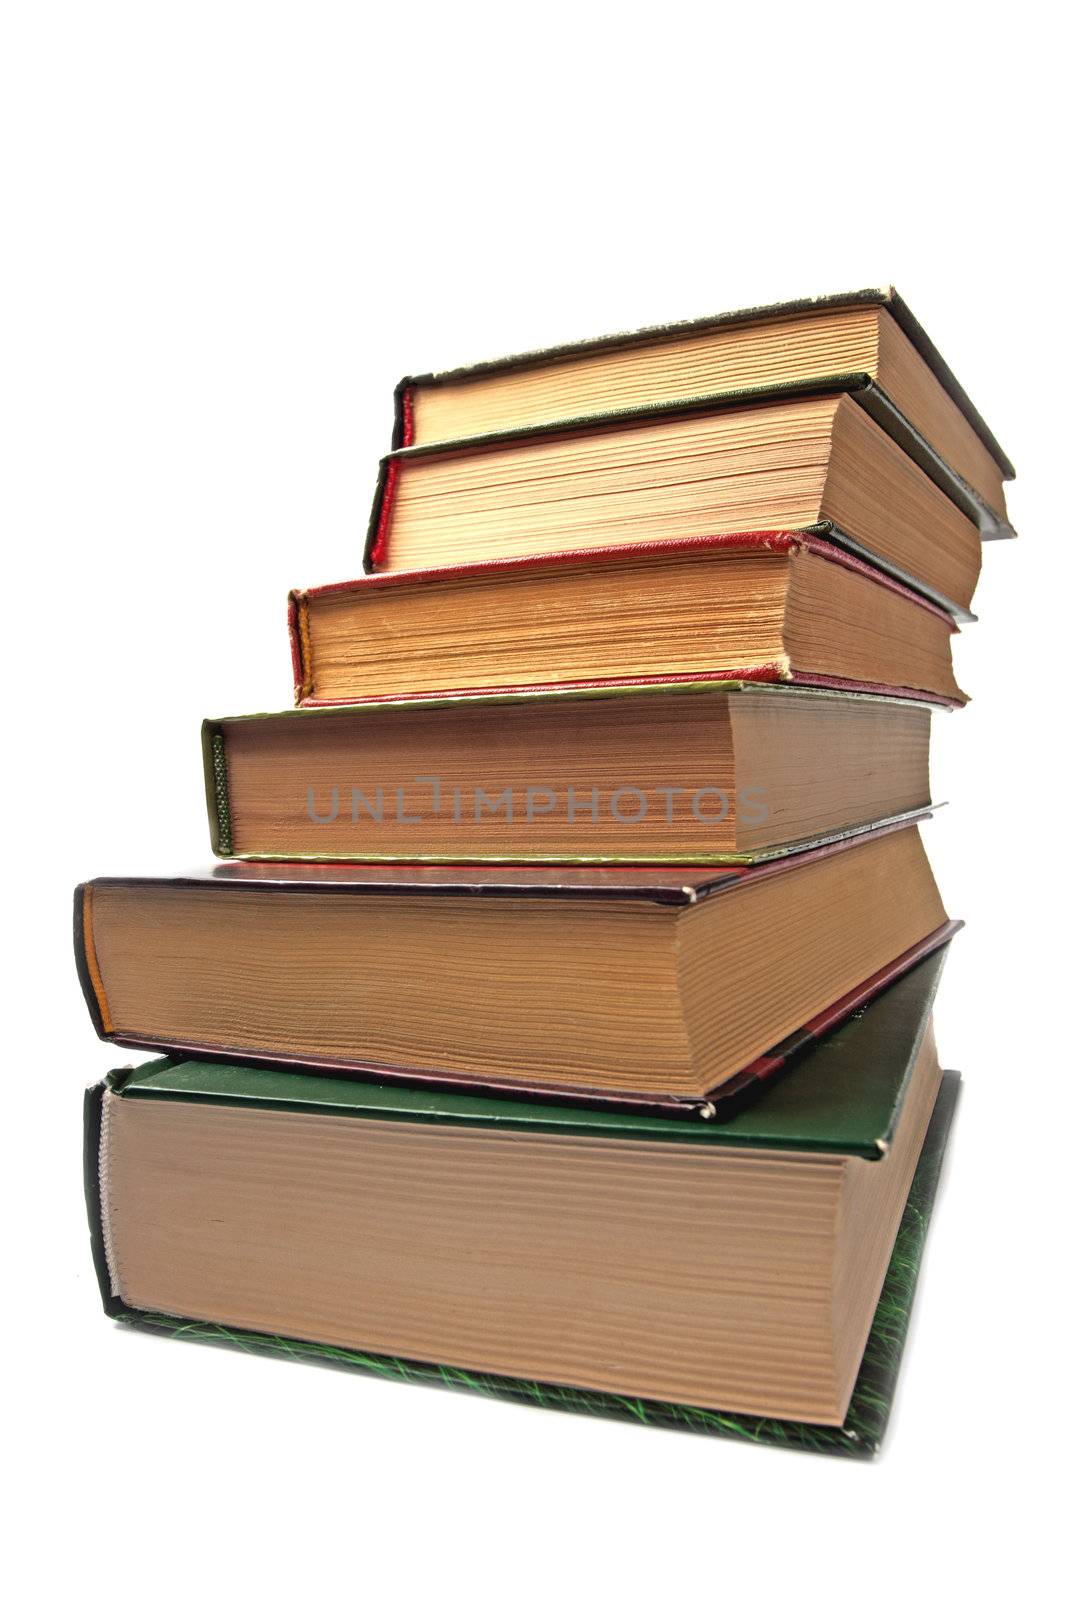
(836, 417)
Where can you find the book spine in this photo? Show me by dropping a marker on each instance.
(403, 414)
(299, 644)
(92, 1126)
(377, 541)
(85, 960)
(216, 788)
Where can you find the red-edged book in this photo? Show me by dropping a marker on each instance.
(758, 607)
(800, 458)
(866, 344)
(682, 990)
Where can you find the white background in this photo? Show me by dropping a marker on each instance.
(229, 229)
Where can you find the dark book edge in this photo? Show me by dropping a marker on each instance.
(859, 1436)
(910, 325)
(750, 395)
(664, 883)
(837, 536)
(892, 421)
(657, 333)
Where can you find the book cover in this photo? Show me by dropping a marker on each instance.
(216, 731)
(846, 1100)
(865, 389)
(665, 886)
(888, 297)
(301, 602)
(862, 389)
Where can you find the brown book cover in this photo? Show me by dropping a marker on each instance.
(616, 562)
(677, 888)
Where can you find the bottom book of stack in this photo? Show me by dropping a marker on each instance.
(752, 1278)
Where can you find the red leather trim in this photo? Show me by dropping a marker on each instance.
(408, 413)
(775, 541)
(381, 536)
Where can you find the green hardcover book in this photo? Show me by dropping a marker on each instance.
(752, 1279)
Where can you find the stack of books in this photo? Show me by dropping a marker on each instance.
(557, 1020)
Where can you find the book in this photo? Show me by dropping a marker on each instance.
(711, 773)
(868, 336)
(812, 464)
(672, 987)
(763, 607)
(511, 1249)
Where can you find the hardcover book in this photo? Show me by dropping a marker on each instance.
(774, 607)
(867, 340)
(808, 464)
(678, 988)
(713, 773)
(513, 1250)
